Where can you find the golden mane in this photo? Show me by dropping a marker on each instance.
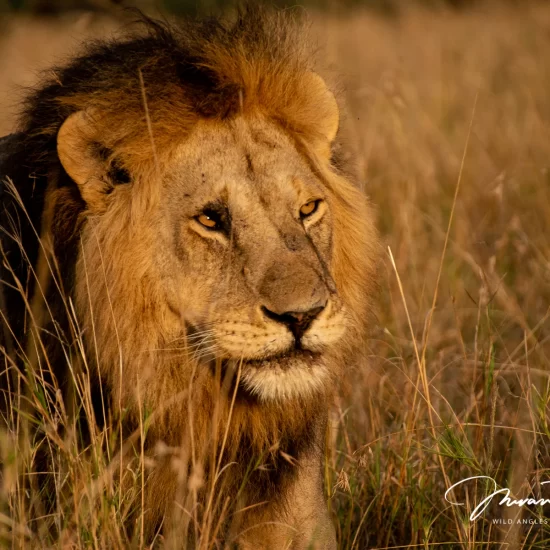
(214, 69)
(143, 95)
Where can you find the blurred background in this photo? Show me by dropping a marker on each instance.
(193, 6)
(448, 112)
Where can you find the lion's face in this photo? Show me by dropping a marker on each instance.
(233, 243)
(244, 253)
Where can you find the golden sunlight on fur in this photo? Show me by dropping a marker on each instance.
(209, 259)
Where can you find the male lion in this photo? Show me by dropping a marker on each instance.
(176, 231)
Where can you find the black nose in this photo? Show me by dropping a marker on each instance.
(297, 321)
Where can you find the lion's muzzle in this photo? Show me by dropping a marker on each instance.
(293, 293)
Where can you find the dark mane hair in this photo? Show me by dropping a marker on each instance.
(187, 70)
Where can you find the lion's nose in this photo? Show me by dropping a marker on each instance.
(297, 321)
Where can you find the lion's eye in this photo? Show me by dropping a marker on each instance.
(309, 208)
(210, 219)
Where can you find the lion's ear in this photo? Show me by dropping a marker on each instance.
(86, 161)
(328, 114)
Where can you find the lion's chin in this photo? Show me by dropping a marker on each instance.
(296, 374)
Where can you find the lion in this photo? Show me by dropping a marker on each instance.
(187, 230)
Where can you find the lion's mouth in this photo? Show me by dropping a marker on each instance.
(285, 375)
(278, 376)
(291, 359)
(285, 361)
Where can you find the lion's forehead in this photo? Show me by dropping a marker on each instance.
(239, 160)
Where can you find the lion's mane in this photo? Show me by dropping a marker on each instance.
(146, 92)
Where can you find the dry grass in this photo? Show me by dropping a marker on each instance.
(447, 392)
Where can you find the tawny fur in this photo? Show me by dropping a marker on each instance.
(146, 106)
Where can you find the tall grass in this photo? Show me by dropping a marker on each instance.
(450, 116)
(481, 408)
